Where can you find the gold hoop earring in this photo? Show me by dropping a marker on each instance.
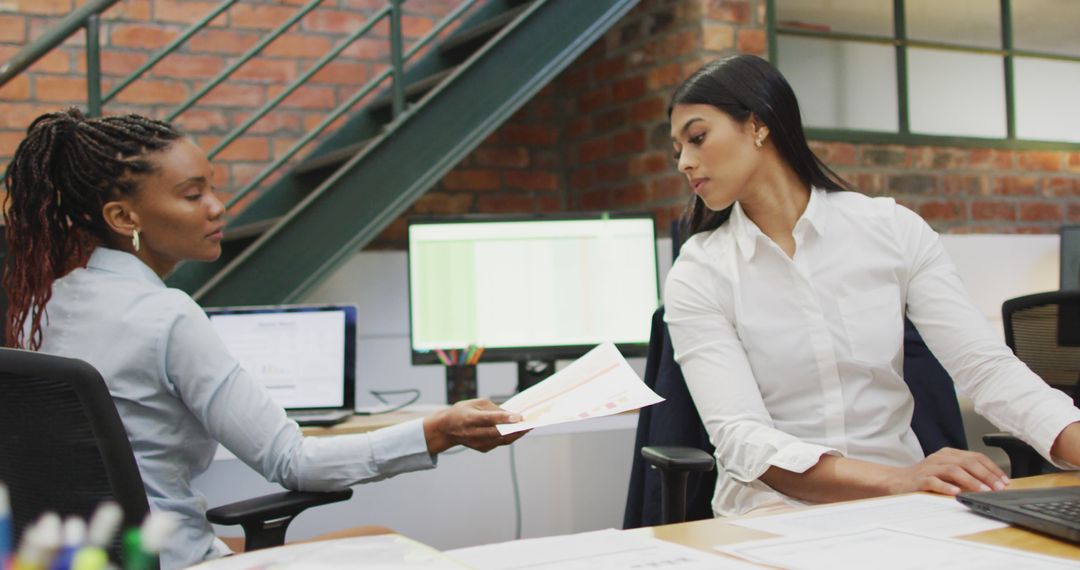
(135, 239)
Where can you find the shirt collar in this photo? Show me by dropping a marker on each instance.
(747, 233)
(123, 263)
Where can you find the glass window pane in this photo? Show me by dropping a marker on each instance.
(1048, 26)
(963, 22)
(841, 85)
(871, 17)
(1046, 95)
(956, 93)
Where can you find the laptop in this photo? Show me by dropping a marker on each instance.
(1053, 511)
(305, 355)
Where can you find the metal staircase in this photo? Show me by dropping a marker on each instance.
(365, 174)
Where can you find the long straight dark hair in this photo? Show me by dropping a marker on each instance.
(741, 85)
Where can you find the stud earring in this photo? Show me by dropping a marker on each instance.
(759, 143)
(135, 239)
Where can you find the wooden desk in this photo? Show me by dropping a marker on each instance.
(706, 534)
(363, 424)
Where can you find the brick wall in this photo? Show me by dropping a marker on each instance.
(595, 138)
(134, 30)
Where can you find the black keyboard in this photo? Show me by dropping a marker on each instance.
(1064, 510)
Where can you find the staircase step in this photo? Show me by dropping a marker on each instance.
(331, 158)
(413, 91)
(479, 33)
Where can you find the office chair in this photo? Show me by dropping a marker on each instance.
(64, 449)
(671, 479)
(1043, 331)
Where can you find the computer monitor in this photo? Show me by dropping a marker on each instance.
(1070, 257)
(531, 289)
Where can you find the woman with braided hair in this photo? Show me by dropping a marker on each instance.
(98, 212)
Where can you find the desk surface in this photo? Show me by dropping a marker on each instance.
(706, 534)
(363, 424)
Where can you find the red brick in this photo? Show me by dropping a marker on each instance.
(117, 63)
(12, 29)
(609, 68)
(46, 7)
(415, 27)
(297, 45)
(734, 11)
(155, 92)
(367, 49)
(628, 89)
(751, 41)
(182, 66)
(1041, 212)
(443, 203)
(575, 79)
(965, 184)
(1061, 186)
(20, 115)
(531, 180)
(835, 153)
(128, 10)
(668, 188)
(236, 95)
(224, 42)
(650, 163)
(60, 89)
(939, 158)
(513, 157)
(719, 38)
(632, 141)
(55, 61)
(664, 76)
(1074, 212)
(343, 73)
(1005, 211)
(307, 97)
(612, 171)
(892, 156)
(267, 71)
(141, 36)
(630, 195)
(18, 89)
(1015, 185)
(991, 158)
(578, 127)
(610, 120)
(1074, 161)
(595, 200)
(591, 101)
(186, 12)
(472, 179)
(262, 16)
(199, 120)
(505, 202)
(870, 183)
(943, 210)
(648, 110)
(1041, 160)
(242, 149)
(547, 160)
(9, 141)
(549, 204)
(582, 178)
(530, 134)
(593, 150)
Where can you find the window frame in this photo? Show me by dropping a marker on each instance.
(901, 43)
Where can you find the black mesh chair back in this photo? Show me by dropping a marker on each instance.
(1043, 330)
(63, 446)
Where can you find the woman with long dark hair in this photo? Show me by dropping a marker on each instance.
(786, 310)
(98, 212)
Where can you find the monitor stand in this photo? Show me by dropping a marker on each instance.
(531, 372)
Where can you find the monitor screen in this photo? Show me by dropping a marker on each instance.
(531, 288)
(304, 355)
(1070, 257)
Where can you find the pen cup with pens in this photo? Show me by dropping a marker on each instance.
(460, 372)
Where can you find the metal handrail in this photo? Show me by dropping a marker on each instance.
(52, 38)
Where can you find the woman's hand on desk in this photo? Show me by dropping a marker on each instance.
(950, 471)
(470, 423)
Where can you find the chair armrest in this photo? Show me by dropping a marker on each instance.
(265, 519)
(678, 458)
(1024, 461)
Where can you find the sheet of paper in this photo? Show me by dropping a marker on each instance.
(920, 514)
(601, 383)
(600, 550)
(887, 549)
(387, 551)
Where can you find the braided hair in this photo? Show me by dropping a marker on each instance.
(61, 176)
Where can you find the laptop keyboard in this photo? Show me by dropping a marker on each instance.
(1067, 510)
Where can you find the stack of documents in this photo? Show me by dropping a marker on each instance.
(386, 551)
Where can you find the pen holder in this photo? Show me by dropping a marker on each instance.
(460, 383)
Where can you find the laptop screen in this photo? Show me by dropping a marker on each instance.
(304, 355)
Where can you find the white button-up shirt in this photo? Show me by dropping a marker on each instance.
(791, 358)
(179, 392)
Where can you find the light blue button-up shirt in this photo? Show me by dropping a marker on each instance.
(179, 392)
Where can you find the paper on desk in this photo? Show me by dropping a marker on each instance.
(385, 551)
(921, 514)
(601, 383)
(600, 550)
(889, 549)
